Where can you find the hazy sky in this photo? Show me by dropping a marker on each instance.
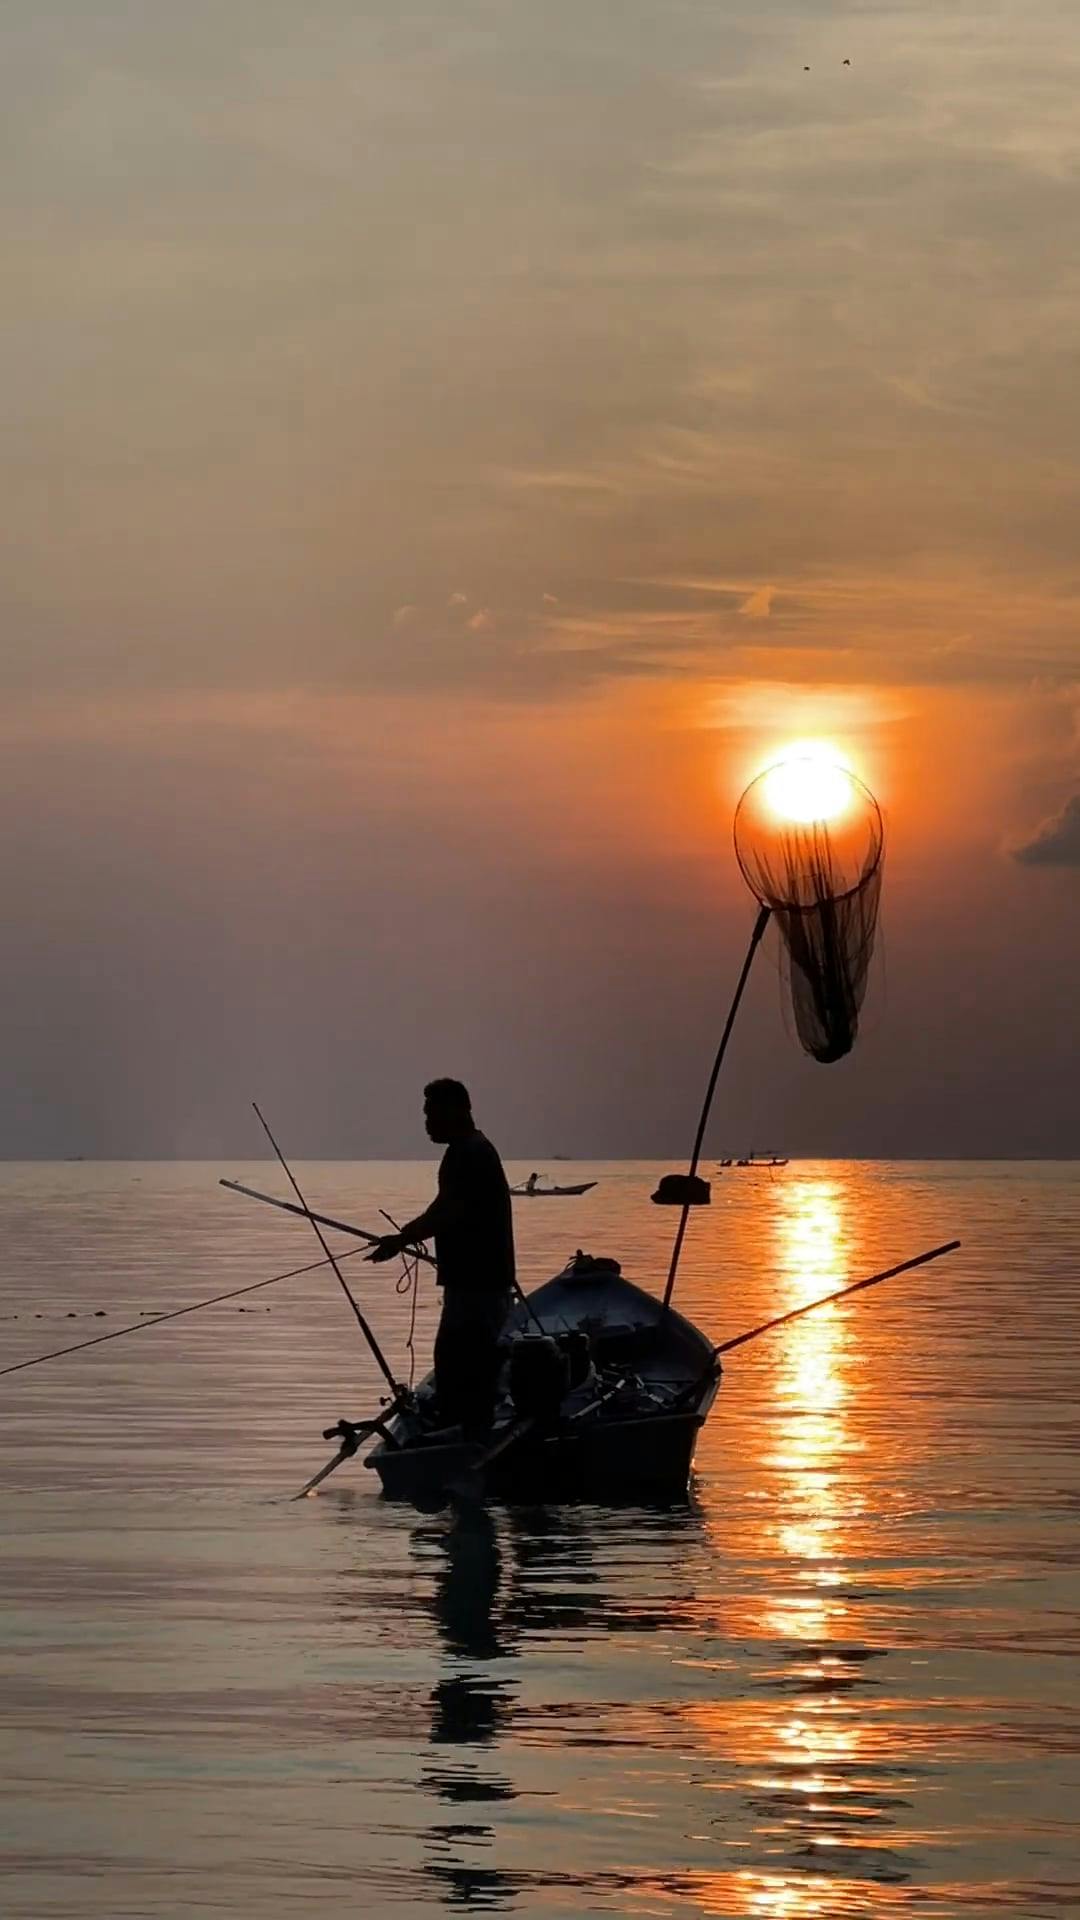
(446, 451)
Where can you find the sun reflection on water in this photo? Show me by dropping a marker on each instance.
(810, 1463)
(812, 1759)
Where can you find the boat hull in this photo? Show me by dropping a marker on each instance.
(615, 1462)
(627, 1433)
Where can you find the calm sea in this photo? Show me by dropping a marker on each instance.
(843, 1681)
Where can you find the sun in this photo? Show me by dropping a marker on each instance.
(808, 784)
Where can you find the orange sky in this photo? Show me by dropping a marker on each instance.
(444, 455)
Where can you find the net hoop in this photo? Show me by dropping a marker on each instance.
(749, 865)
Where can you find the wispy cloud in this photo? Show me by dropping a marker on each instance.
(802, 343)
(758, 605)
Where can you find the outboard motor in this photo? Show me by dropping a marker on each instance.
(539, 1377)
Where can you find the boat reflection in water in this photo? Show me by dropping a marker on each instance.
(655, 1711)
(521, 1599)
(470, 1708)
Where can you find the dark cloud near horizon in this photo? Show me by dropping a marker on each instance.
(1056, 843)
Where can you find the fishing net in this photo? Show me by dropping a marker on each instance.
(810, 843)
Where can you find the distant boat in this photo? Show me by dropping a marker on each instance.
(756, 1162)
(531, 1189)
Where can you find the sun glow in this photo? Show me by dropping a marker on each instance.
(810, 783)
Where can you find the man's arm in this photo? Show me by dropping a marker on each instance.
(444, 1208)
(412, 1233)
(426, 1224)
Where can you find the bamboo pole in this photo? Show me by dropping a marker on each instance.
(760, 925)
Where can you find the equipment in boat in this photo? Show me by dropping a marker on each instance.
(606, 1404)
(682, 1189)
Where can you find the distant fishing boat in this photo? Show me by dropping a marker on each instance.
(531, 1189)
(757, 1162)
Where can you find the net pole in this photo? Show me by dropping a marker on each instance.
(760, 925)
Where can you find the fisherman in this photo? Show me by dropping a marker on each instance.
(531, 1183)
(472, 1225)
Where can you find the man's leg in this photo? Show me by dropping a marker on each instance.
(467, 1361)
(451, 1364)
(487, 1356)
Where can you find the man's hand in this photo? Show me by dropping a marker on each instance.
(387, 1248)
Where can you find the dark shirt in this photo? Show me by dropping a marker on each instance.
(473, 1219)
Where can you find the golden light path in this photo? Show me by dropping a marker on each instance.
(815, 1748)
(808, 1751)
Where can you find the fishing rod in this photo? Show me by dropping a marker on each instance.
(380, 1357)
(857, 1286)
(796, 1313)
(323, 1219)
(177, 1313)
(215, 1299)
(760, 925)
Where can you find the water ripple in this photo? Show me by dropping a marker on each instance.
(840, 1682)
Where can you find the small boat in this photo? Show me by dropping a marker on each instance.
(530, 1189)
(756, 1162)
(604, 1393)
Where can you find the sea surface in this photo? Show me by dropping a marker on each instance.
(843, 1680)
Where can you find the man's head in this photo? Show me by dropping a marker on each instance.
(447, 1110)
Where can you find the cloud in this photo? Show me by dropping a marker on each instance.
(1056, 843)
(758, 606)
(805, 423)
(753, 706)
(483, 621)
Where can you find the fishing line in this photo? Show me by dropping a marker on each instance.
(138, 1326)
(408, 1278)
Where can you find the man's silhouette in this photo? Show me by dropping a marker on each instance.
(472, 1225)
